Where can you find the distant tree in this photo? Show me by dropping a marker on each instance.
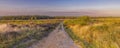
(84, 18)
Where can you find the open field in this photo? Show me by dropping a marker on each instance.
(23, 33)
(59, 23)
(86, 32)
(94, 32)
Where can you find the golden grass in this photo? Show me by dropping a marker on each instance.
(100, 34)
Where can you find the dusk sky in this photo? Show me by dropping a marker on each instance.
(60, 7)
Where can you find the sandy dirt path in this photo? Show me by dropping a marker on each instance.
(56, 39)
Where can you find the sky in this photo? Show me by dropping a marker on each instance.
(60, 7)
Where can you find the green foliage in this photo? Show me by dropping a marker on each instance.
(33, 17)
(24, 17)
(83, 20)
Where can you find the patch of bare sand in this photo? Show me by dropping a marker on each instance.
(7, 28)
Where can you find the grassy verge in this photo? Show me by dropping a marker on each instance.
(94, 34)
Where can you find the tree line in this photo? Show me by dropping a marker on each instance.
(35, 17)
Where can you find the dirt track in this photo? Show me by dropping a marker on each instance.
(56, 39)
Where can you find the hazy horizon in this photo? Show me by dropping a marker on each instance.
(60, 7)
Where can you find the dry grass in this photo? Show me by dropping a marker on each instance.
(100, 34)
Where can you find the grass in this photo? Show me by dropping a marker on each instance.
(33, 32)
(95, 33)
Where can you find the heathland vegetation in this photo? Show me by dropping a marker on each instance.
(94, 32)
(22, 33)
(87, 32)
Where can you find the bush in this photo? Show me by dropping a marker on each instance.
(83, 20)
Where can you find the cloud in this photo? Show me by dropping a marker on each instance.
(100, 12)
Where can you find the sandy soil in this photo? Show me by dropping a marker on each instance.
(56, 39)
(7, 28)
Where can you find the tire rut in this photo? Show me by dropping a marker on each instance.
(56, 39)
